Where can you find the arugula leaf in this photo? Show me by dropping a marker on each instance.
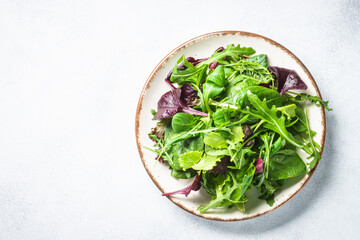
(278, 144)
(191, 74)
(253, 70)
(301, 97)
(315, 154)
(273, 122)
(232, 51)
(266, 138)
(224, 192)
(268, 189)
(243, 157)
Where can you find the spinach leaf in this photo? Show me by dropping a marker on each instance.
(260, 59)
(183, 174)
(183, 122)
(222, 117)
(285, 164)
(272, 97)
(213, 86)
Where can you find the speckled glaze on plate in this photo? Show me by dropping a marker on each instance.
(201, 47)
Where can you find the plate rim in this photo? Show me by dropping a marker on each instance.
(194, 40)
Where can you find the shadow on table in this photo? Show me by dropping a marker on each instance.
(294, 208)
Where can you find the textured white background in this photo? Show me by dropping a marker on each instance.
(70, 76)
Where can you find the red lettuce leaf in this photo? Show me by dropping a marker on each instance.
(195, 186)
(188, 93)
(287, 79)
(221, 167)
(170, 103)
(259, 165)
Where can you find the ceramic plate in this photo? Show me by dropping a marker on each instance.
(201, 47)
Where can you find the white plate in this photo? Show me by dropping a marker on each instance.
(201, 47)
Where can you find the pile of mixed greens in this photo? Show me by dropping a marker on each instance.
(231, 122)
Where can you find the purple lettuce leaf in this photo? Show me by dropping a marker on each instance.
(188, 94)
(213, 65)
(170, 83)
(170, 103)
(221, 167)
(287, 79)
(247, 132)
(195, 186)
(259, 165)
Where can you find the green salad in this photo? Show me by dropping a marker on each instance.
(231, 123)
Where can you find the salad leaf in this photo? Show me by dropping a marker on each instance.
(195, 186)
(207, 162)
(287, 79)
(183, 122)
(231, 184)
(222, 166)
(188, 94)
(285, 164)
(232, 51)
(215, 140)
(260, 59)
(273, 122)
(189, 159)
(301, 97)
(187, 74)
(288, 110)
(259, 166)
(170, 103)
(183, 174)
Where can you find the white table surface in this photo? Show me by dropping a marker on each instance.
(70, 76)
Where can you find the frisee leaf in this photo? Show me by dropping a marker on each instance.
(207, 162)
